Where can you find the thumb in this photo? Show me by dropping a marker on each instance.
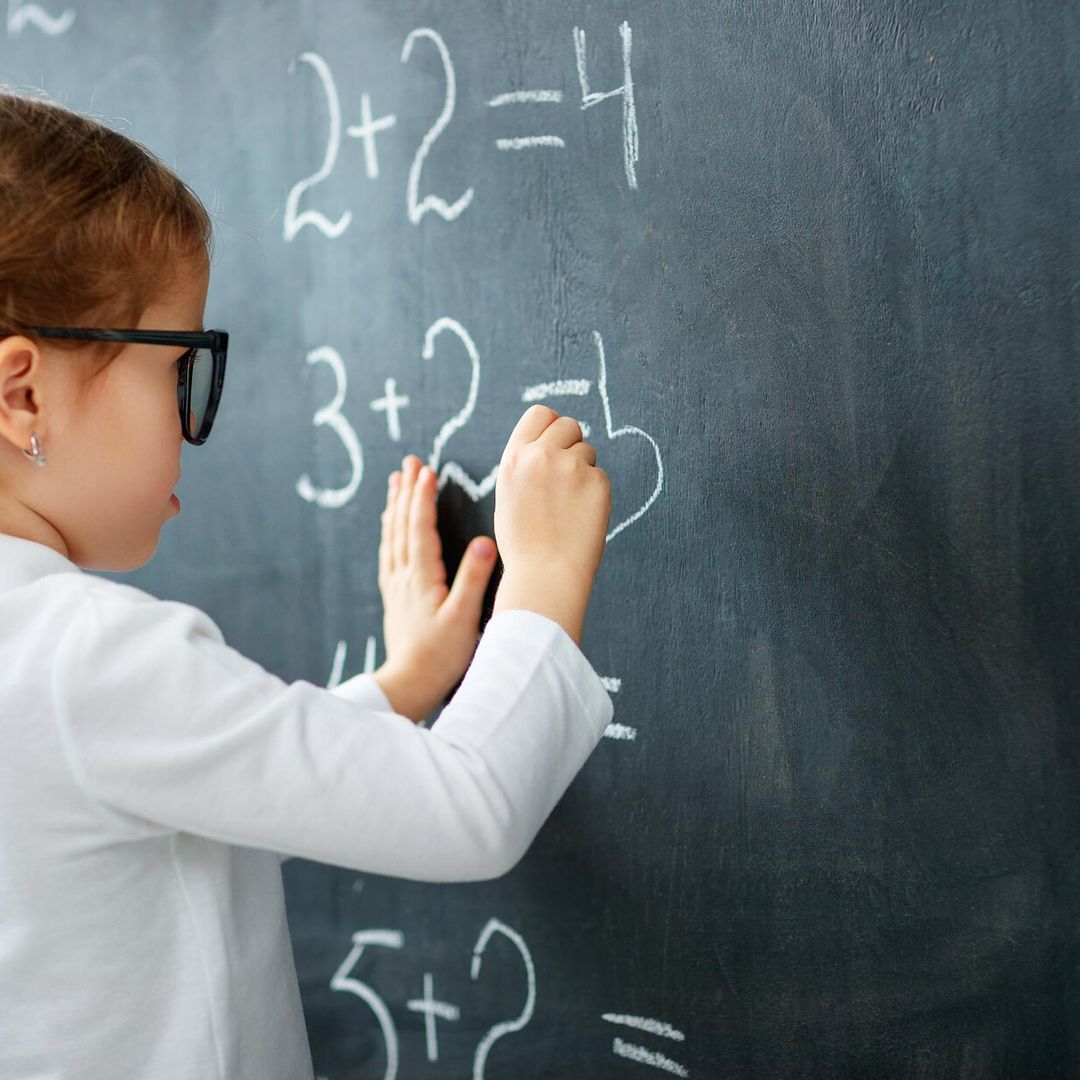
(472, 577)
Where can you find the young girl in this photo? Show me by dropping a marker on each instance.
(151, 776)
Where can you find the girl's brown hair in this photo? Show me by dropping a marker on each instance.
(93, 225)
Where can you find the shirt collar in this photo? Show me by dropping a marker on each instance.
(23, 561)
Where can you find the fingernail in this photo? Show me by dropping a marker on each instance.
(484, 548)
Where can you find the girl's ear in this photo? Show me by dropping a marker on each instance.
(21, 390)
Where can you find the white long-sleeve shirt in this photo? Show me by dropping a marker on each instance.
(152, 777)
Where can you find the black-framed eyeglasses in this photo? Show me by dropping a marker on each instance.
(201, 368)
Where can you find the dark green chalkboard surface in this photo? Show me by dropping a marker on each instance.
(808, 271)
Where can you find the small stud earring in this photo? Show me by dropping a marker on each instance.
(34, 453)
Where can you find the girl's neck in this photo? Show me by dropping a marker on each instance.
(23, 523)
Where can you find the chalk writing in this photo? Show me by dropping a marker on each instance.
(417, 209)
(432, 1009)
(493, 1034)
(370, 126)
(391, 404)
(366, 130)
(342, 980)
(337, 668)
(641, 1054)
(294, 220)
(518, 97)
(475, 489)
(617, 731)
(626, 92)
(21, 14)
(330, 415)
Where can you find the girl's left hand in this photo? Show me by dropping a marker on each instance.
(430, 631)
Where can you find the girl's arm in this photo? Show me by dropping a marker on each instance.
(169, 729)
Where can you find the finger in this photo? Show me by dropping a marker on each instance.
(563, 432)
(532, 425)
(466, 597)
(425, 548)
(386, 540)
(586, 451)
(409, 466)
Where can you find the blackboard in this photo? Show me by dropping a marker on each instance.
(808, 272)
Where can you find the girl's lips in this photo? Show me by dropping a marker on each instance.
(175, 501)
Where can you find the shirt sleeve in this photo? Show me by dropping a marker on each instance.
(361, 690)
(170, 728)
(364, 690)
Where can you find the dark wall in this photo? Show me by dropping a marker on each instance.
(823, 333)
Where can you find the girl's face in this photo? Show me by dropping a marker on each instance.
(112, 440)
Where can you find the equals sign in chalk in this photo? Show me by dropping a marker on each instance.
(519, 97)
(640, 1054)
(617, 731)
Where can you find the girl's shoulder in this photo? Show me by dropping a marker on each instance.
(89, 603)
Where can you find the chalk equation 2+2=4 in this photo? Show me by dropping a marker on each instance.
(435, 1010)
(370, 127)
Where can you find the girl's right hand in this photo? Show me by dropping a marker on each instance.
(552, 502)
